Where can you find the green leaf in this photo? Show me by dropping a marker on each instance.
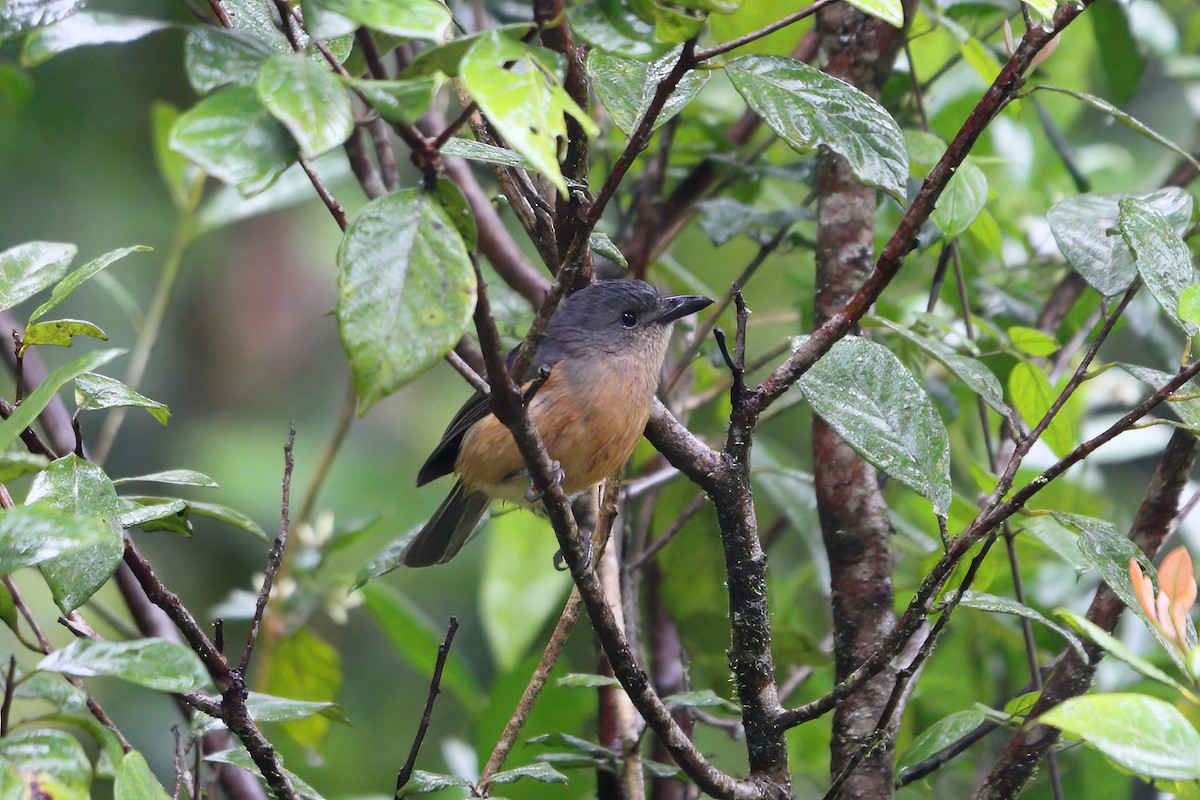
(45, 752)
(810, 110)
(180, 477)
(30, 535)
(1115, 647)
(306, 667)
(239, 757)
(1044, 8)
(136, 515)
(28, 268)
(216, 57)
(18, 17)
(1161, 256)
(602, 245)
(53, 689)
(154, 663)
(234, 138)
(608, 26)
(33, 405)
(517, 601)
(181, 177)
(1186, 408)
(94, 391)
(422, 782)
(59, 332)
(308, 100)
(1005, 605)
(626, 86)
(1060, 539)
(704, 698)
(978, 378)
(539, 771)
(961, 201)
(939, 736)
(73, 281)
(1141, 733)
(526, 105)
(723, 218)
(400, 101)
(890, 11)
(873, 402)
(1085, 228)
(85, 28)
(267, 708)
(670, 26)
(1189, 304)
(229, 516)
(1124, 118)
(478, 151)
(1032, 342)
(577, 680)
(80, 488)
(416, 640)
(226, 205)
(447, 58)
(1108, 552)
(15, 463)
(407, 291)
(408, 19)
(1032, 395)
(135, 781)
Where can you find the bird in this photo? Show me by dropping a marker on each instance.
(604, 349)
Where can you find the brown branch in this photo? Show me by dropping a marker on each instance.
(1072, 675)
(435, 687)
(767, 30)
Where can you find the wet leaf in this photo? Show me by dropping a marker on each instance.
(153, 663)
(626, 86)
(82, 28)
(308, 100)
(94, 391)
(28, 268)
(1160, 255)
(63, 289)
(33, 405)
(60, 332)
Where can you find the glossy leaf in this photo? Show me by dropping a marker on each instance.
(1108, 552)
(1032, 342)
(416, 640)
(626, 86)
(82, 489)
(154, 663)
(135, 515)
(978, 378)
(180, 477)
(478, 151)
(63, 289)
(267, 708)
(18, 17)
(1183, 401)
(878, 408)
(305, 666)
(447, 58)
(604, 26)
(1044, 8)
(60, 332)
(216, 57)
(1160, 255)
(40, 752)
(602, 245)
(577, 680)
(1032, 395)
(525, 104)
(28, 268)
(308, 100)
(703, 698)
(233, 137)
(1006, 605)
(423, 782)
(723, 218)
(226, 205)
(810, 110)
(1189, 304)
(407, 291)
(240, 758)
(939, 736)
(539, 771)
(1141, 733)
(400, 101)
(94, 391)
(408, 19)
(1085, 228)
(30, 535)
(961, 201)
(135, 781)
(890, 11)
(181, 177)
(33, 405)
(229, 516)
(85, 27)
(1115, 647)
(15, 463)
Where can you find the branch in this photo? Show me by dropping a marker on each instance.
(1073, 676)
(435, 687)
(905, 238)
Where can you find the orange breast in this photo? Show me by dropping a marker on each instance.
(590, 421)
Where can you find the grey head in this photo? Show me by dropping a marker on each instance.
(615, 317)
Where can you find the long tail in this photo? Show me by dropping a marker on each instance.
(448, 529)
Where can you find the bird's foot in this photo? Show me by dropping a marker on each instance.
(560, 561)
(557, 476)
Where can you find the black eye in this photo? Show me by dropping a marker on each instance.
(628, 319)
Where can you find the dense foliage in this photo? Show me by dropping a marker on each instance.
(946, 392)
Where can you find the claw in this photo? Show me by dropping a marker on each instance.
(557, 476)
(560, 561)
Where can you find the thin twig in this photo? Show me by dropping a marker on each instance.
(753, 36)
(435, 687)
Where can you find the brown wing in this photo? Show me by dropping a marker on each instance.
(441, 460)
